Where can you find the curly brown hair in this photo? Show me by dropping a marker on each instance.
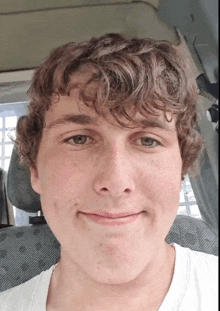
(132, 75)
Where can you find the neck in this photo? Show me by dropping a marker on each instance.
(147, 290)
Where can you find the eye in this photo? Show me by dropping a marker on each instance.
(149, 142)
(79, 140)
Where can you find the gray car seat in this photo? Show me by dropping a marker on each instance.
(4, 209)
(26, 251)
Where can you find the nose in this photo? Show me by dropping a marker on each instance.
(114, 175)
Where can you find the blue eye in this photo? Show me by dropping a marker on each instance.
(78, 139)
(149, 142)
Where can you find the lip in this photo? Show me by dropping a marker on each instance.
(112, 219)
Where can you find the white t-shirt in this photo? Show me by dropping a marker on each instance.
(194, 286)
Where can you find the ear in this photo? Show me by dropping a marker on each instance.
(35, 181)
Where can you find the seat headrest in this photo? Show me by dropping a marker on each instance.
(19, 189)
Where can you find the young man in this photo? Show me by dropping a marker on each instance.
(108, 137)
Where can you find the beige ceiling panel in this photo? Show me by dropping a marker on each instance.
(9, 6)
(27, 38)
(144, 22)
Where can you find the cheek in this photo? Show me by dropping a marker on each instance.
(161, 179)
(59, 171)
(64, 183)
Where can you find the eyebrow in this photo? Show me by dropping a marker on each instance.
(72, 118)
(88, 120)
(146, 123)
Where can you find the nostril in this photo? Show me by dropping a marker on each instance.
(127, 190)
(104, 189)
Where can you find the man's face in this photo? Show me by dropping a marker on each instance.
(109, 193)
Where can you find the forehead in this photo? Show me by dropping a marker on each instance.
(70, 111)
(83, 76)
(65, 107)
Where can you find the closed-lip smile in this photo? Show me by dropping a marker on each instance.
(106, 218)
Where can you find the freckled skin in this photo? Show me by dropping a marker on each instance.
(112, 172)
